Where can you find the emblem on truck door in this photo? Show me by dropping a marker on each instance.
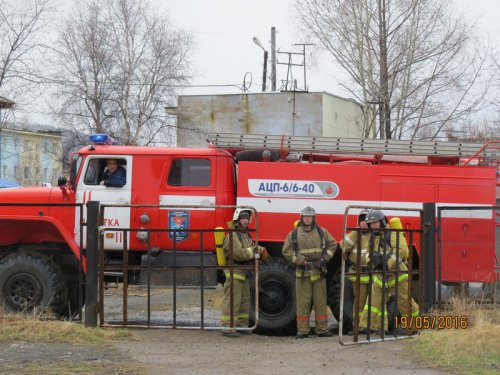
(178, 220)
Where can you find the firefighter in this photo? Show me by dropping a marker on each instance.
(243, 250)
(115, 175)
(349, 246)
(309, 247)
(391, 261)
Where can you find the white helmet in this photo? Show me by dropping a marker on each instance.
(307, 211)
(240, 213)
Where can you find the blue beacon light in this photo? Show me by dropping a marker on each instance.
(102, 139)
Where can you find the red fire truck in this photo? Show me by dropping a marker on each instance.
(276, 175)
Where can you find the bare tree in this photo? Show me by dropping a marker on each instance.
(119, 64)
(417, 60)
(21, 44)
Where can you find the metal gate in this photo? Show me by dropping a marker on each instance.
(418, 280)
(153, 296)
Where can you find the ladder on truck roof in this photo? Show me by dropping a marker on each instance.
(331, 145)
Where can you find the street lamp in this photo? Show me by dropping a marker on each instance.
(257, 41)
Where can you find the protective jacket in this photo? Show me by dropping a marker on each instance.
(397, 252)
(396, 255)
(349, 246)
(242, 253)
(311, 246)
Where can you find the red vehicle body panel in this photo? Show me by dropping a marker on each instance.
(469, 252)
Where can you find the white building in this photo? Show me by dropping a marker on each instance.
(290, 113)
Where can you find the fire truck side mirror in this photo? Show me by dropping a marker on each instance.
(73, 170)
(62, 181)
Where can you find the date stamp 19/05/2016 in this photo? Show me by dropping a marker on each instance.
(432, 322)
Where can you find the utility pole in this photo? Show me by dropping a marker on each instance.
(293, 87)
(273, 58)
(304, 60)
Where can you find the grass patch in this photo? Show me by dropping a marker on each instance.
(35, 327)
(475, 350)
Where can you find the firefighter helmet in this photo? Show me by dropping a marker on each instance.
(376, 215)
(307, 211)
(242, 213)
(362, 216)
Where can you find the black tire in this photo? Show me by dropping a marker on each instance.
(276, 298)
(333, 285)
(29, 281)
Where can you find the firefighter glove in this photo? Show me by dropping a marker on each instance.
(320, 264)
(377, 261)
(264, 255)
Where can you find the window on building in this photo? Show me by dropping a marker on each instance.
(16, 171)
(26, 145)
(4, 171)
(189, 172)
(27, 172)
(55, 173)
(45, 174)
(16, 146)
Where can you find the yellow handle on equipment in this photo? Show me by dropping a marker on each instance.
(395, 223)
(219, 250)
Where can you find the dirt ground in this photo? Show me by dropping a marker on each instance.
(191, 351)
(194, 352)
(181, 351)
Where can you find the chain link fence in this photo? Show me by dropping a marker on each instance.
(468, 252)
(41, 270)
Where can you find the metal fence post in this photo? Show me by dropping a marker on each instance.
(92, 265)
(430, 255)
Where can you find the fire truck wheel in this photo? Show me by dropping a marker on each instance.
(29, 281)
(276, 298)
(334, 301)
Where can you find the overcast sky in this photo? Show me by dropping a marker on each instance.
(224, 50)
(223, 31)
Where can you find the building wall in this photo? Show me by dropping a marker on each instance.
(30, 158)
(341, 117)
(263, 113)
